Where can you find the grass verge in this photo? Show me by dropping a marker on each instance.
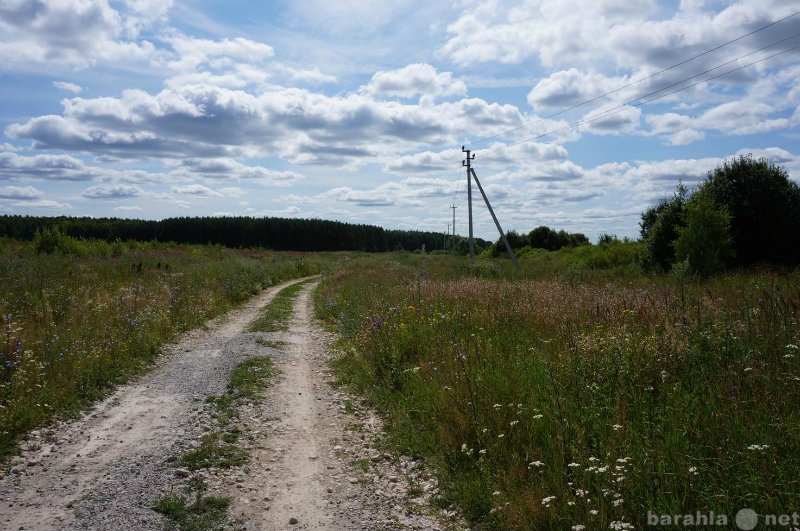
(582, 403)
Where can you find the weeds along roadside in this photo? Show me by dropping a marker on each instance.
(75, 325)
(580, 403)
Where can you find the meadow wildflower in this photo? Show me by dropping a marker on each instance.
(620, 526)
(758, 447)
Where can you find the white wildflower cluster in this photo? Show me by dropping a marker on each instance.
(758, 447)
(615, 472)
(619, 525)
(466, 450)
(578, 527)
(596, 469)
(618, 501)
(693, 471)
(548, 500)
(536, 464)
(498, 507)
(620, 469)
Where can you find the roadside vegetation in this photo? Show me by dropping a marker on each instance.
(81, 316)
(575, 397)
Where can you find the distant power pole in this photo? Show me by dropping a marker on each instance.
(453, 250)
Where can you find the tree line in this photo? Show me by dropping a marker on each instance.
(280, 234)
(745, 212)
(540, 238)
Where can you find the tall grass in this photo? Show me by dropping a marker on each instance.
(566, 404)
(75, 325)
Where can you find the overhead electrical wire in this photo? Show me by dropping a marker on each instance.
(628, 85)
(625, 106)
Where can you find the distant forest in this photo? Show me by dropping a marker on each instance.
(279, 234)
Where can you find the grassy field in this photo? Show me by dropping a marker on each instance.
(76, 324)
(573, 398)
(580, 394)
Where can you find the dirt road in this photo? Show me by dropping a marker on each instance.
(314, 461)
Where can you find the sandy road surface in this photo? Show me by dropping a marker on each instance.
(314, 461)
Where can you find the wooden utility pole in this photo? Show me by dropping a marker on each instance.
(468, 164)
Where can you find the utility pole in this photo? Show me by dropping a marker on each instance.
(453, 241)
(468, 164)
(472, 175)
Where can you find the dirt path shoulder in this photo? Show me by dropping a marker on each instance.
(314, 458)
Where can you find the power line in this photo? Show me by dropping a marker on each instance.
(623, 87)
(620, 108)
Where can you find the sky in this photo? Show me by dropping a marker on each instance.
(580, 113)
